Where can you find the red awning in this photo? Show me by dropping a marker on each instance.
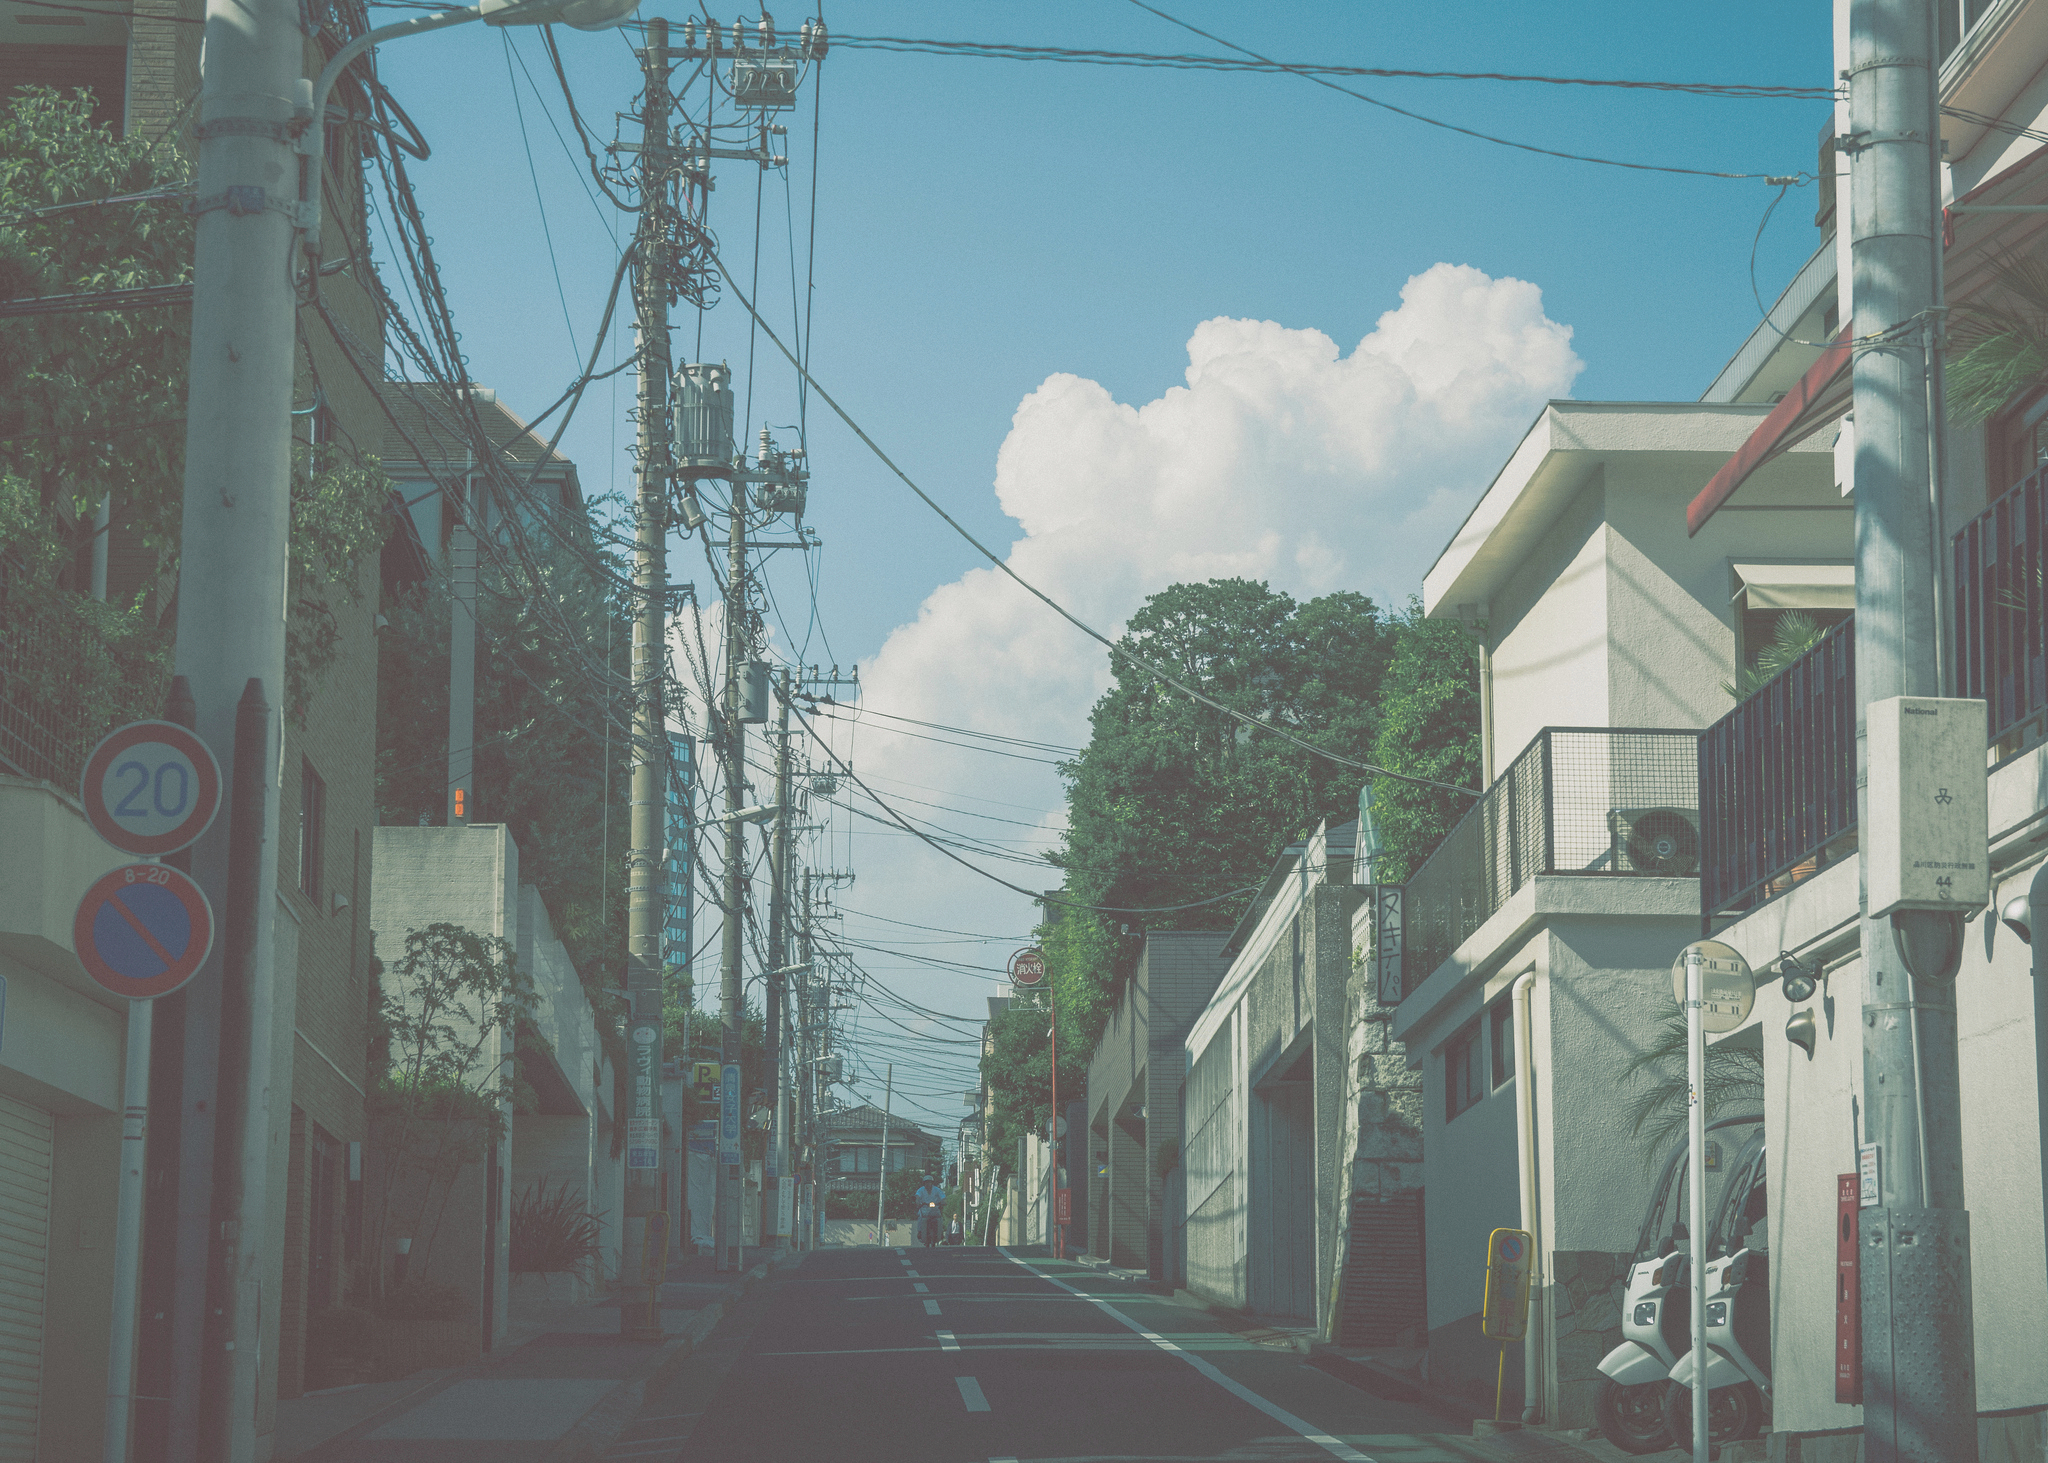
(1822, 395)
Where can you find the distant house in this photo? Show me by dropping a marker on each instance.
(852, 1149)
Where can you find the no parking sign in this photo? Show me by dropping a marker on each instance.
(142, 930)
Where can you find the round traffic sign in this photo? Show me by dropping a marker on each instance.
(1727, 985)
(1027, 967)
(142, 930)
(151, 788)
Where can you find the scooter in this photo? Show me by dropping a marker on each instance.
(1656, 1321)
(1738, 1313)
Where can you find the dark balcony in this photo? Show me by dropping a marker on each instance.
(1777, 779)
(1599, 802)
(2001, 616)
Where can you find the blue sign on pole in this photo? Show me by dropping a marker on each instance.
(142, 930)
(729, 1113)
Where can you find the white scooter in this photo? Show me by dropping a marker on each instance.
(1738, 1313)
(1656, 1322)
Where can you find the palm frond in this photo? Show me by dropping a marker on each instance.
(1998, 342)
(1657, 1113)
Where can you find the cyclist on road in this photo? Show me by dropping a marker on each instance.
(931, 1200)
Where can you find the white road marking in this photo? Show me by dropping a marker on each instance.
(921, 1288)
(970, 1393)
(912, 1275)
(931, 1308)
(1002, 1460)
(1335, 1447)
(901, 1252)
(947, 1343)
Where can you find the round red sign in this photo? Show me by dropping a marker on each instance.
(143, 930)
(1027, 967)
(150, 788)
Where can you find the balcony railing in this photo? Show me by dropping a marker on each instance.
(63, 687)
(1596, 801)
(1777, 780)
(2001, 614)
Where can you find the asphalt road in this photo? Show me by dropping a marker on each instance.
(978, 1356)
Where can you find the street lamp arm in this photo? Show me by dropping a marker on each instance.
(312, 139)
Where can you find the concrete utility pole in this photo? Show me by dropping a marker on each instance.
(778, 979)
(230, 646)
(1919, 1384)
(467, 518)
(731, 1008)
(808, 1017)
(882, 1177)
(645, 897)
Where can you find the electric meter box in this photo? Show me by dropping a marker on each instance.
(1926, 843)
(703, 422)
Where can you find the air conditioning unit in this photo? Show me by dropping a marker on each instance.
(1655, 840)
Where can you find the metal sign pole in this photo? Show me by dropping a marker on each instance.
(1696, 1219)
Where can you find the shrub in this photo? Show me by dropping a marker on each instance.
(552, 1232)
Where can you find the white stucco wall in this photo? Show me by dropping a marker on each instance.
(1548, 632)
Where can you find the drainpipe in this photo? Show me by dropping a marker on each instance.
(1532, 1219)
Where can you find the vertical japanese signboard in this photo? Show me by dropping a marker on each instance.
(643, 1119)
(730, 1113)
(1848, 1290)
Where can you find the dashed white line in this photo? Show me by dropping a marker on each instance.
(921, 1288)
(912, 1275)
(931, 1308)
(1335, 1447)
(947, 1341)
(970, 1393)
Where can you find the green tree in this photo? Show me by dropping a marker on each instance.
(1657, 1113)
(1998, 340)
(1428, 727)
(447, 1004)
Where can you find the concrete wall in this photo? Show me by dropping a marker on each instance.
(1283, 1003)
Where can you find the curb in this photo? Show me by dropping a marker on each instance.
(601, 1425)
(1388, 1382)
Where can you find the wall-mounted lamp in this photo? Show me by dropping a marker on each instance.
(1802, 1032)
(1795, 979)
(2018, 916)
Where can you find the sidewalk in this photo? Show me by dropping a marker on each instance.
(558, 1387)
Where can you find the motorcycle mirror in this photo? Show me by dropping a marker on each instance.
(1802, 1032)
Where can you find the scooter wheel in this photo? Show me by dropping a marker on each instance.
(1632, 1417)
(1733, 1413)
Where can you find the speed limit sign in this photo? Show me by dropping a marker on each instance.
(150, 788)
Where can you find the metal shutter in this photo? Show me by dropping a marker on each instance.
(25, 1134)
(1383, 1285)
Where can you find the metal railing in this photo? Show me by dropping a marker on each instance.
(1777, 780)
(62, 688)
(1597, 801)
(2001, 614)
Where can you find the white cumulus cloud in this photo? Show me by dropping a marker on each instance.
(1282, 458)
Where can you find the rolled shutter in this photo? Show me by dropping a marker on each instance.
(25, 1138)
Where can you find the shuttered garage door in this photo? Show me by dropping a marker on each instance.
(24, 1245)
(1383, 1285)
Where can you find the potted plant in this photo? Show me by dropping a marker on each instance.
(341, 1347)
(554, 1238)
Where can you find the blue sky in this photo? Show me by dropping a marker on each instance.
(982, 224)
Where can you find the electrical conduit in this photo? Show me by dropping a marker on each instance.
(1532, 1218)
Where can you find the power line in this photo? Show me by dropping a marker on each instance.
(1324, 81)
(1115, 649)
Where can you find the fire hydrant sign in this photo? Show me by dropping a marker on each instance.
(150, 788)
(142, 930)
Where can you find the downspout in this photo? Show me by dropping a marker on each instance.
(1532, 1218)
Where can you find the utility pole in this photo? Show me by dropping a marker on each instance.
(808, 1019)
(1919, 1383)
(646, 1234)
(882, 1174)
(774, 1170)
(731, 1166)
(230, 651)
(466, 518)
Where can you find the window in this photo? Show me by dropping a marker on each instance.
(2019, 442)
(1461, 1072)
(312, 829)
(1501, 1023)
(846, 1160)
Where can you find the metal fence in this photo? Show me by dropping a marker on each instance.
(1777, 780)
(1598, 801)
(62, 689)
(2001, 614)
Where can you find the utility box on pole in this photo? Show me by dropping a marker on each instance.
(1926, 842)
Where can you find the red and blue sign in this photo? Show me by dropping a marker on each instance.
(143, 930)
(150, 788)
